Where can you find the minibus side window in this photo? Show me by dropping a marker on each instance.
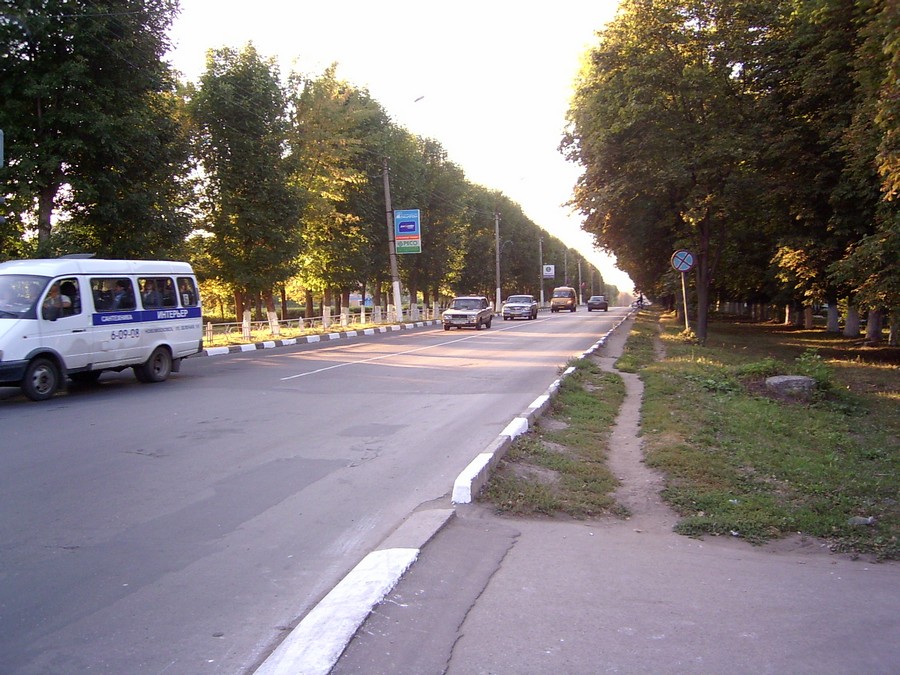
(170, 297)
(69, 288)
(112, 294)
(157, 292)
(187, 292)
(62, 300)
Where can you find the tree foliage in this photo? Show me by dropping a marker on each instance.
(757, 134)
(663, 124)
(264, 184)
(95, 144)
(250, 203)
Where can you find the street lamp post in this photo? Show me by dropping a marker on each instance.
(541, 275)
(497, 261)
(580, 285)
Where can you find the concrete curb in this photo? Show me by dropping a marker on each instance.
(310, 339)
(318, 641)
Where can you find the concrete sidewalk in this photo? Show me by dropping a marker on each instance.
(494, 595)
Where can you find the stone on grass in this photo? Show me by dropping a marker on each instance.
(797, 387)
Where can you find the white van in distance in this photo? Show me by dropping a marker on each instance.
(76, 317)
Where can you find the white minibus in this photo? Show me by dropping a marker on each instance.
(76, 317)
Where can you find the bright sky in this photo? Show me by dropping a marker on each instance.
(488, 79)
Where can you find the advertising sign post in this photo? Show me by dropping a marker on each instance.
(407, 231)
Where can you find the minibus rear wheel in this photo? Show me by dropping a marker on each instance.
(41, 379)
(157, 367)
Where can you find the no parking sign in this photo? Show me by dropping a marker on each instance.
(683, 260)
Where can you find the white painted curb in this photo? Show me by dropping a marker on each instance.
(315, 645)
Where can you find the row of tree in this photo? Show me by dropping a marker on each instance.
(761, 135)
(267, 184)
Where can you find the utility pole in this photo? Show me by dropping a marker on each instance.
(580, 287)
(541, 274)
(497, 249)
(392, 250)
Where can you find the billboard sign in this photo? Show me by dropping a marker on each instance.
(549, 271)
(407, 231)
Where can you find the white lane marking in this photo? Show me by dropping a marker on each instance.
(385, 356)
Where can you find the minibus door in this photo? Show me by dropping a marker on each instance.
(64, 325)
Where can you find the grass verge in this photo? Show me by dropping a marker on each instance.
(740, 462)
(559, 467)
(737, 461)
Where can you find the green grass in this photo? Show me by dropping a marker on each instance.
(560, 468)
(639, 350)
(736, 461)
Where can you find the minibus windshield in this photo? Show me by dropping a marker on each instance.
(19, 294)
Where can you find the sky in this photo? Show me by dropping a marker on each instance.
(490, 80)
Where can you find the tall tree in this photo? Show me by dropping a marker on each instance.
(663, 124)
(90, 118)
(251, 208)
(441, 197)
(870, 142)
(805, 76)
(326, 141)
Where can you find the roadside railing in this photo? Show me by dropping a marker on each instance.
(245, 332)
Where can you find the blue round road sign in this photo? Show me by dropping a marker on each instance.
(682, 260)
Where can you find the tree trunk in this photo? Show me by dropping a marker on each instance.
(271, 315)
(892, 332)
(238, 304)
(808, 319)
(413, 289)
(873, 327)
(45, 211)
(310, 308)
(376, 293)
(284, 305)
(702, 323)
(851, 324)
(834, 318)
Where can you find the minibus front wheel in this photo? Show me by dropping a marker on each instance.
(41, 379)
(157, 367)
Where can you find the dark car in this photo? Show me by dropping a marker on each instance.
(520, 307)
(597, 302)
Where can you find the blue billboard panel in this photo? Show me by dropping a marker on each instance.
(407, 231)
(406, 222)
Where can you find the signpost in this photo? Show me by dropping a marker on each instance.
(683, 261)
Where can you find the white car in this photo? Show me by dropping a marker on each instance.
(520, 307)
(468, 310)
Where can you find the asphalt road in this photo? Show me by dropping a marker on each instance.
(185, 527)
